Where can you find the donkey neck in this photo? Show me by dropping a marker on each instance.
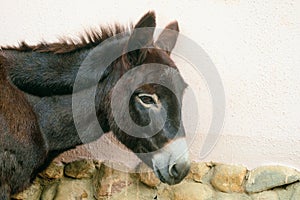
(56, 120)
(55, 114)
(47, 74)
(44, 74)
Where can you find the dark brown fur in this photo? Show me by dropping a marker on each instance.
(22, 147)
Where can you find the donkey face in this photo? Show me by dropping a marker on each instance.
(166, 151)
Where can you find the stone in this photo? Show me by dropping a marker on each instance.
(109, 181)
(53, 171)
(198, 171)
(283, 194)
(266, 195)
(33, 192)
(147, 176)
(74, 189)
(49, 191)
(289, 192)
(80, 169)
(164, 192)
(268, 177)
(136, 191)
(231, 196)
(187, 191)
(97, 164)
(296, 191)
(105, 180)
(229, 178)
(206, 179)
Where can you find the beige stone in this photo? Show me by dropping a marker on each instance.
(147, 176)
(187, 191)
(266, 195)
(31, 193)
(296, 194)
(229, 178)
(136, 191)
(97, 164)
(165, 192)
(74, 189)
(232, 196)
(80, 169)
(291, 192)
(283, 194)
(109, 181)
(198, 171)
(53, 171)
(49, 191)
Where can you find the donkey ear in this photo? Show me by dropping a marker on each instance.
(141, 38)
(148, 20)
(167, 39)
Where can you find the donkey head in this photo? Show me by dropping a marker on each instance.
(154, 104)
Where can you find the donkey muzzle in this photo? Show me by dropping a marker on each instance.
(171, 164)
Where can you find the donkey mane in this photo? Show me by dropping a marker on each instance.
(88, 39)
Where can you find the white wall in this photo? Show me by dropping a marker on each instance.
(254, 45)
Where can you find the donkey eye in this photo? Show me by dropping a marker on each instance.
(147, 100)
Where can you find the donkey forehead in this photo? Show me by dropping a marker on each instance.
(159, 56)
(148, 88)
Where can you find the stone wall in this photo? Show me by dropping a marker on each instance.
(88, 179)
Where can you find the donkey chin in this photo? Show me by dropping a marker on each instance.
(170, 164)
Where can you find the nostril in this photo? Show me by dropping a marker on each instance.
(173, 171)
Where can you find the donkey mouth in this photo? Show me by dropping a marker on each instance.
(171, 164)
(160, 176)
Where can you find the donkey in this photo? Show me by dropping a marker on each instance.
(47, 73)
(22, 146)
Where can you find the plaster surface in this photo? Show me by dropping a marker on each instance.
(254, 45)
